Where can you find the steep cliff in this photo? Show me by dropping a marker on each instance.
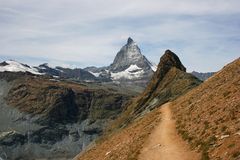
(48, 118)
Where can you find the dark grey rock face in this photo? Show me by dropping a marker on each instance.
(4, 63)
(40, 118)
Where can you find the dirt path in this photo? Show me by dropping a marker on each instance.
(164, 143)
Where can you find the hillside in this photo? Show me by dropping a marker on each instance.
(168, 82)
(127, 134)
(208, 115)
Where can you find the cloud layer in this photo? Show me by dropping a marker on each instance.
(81, 33)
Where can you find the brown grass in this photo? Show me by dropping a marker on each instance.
(203, 116)
(123, 144)
(210, 111)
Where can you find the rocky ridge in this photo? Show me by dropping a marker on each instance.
(168, 82)
(125, 136)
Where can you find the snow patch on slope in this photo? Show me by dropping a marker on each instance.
(153, 67)
(13, 66)
(131, 72)
(96, 74)
(133, 68)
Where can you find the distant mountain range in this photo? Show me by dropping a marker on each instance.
(202, 76)
(129, 66)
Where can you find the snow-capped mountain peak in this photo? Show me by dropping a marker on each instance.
(128, 65)
(14, 66)
(129, 54)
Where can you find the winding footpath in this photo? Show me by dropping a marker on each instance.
(164, 143)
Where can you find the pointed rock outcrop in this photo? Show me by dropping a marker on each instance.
(168, 82)
(167, 61)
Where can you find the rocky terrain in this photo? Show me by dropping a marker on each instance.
(51, 119)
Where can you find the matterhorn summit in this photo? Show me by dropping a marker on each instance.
(130, 54)
(129, 65)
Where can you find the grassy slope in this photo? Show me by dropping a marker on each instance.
(123, 144)
(204, 116)
(137, 121)
(209, 112)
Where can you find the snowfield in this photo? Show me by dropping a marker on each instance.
(96, 74)
(153, 67)
(13, 66)
(131, 72)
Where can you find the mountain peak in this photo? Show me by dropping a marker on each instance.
(130, 54)
(170, 59)
(168, 82)
(130, 40)
(128, 65)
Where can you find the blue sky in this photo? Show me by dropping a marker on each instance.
(78, 33)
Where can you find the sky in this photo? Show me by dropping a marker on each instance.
(79, 33)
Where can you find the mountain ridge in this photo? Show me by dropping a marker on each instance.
(206, 118)
(168, 82)
(127, 133)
